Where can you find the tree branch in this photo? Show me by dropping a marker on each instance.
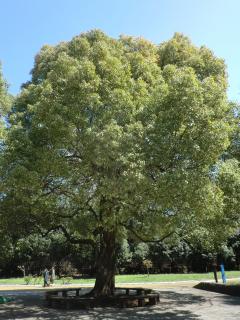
(68, 236)
(143, 239)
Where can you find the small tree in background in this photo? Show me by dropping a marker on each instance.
(147, 264)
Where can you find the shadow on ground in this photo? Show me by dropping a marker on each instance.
(227, 299)
(31, 306)
(230, 300)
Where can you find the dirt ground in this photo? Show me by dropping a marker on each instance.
(178, 302)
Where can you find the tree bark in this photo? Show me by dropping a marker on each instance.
(105, 276)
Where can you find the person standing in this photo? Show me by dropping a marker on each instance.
(45, 277)
(53, 275)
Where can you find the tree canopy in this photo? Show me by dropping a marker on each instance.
(4, 102)
(228, 167)
(116, 138)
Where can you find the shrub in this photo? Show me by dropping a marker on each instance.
(28, 279)
(66, 280)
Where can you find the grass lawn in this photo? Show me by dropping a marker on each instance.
(233, 283)
(141, 278)
(173, 277)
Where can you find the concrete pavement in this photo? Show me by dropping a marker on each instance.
(177, 303)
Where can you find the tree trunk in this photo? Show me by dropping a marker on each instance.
(105, 276)
(22, 268)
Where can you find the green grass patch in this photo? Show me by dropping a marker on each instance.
(140, 278)
(173, 277)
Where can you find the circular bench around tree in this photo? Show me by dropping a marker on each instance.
(123, 297)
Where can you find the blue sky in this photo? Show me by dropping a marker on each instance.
(26, 25)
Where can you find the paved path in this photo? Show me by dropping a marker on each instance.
(23, 287)
(177, 303)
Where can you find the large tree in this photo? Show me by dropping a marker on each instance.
(116, 138)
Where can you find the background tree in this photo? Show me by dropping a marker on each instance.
(227, 173)
(5, 243)
(4, 103)
(115, 139)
